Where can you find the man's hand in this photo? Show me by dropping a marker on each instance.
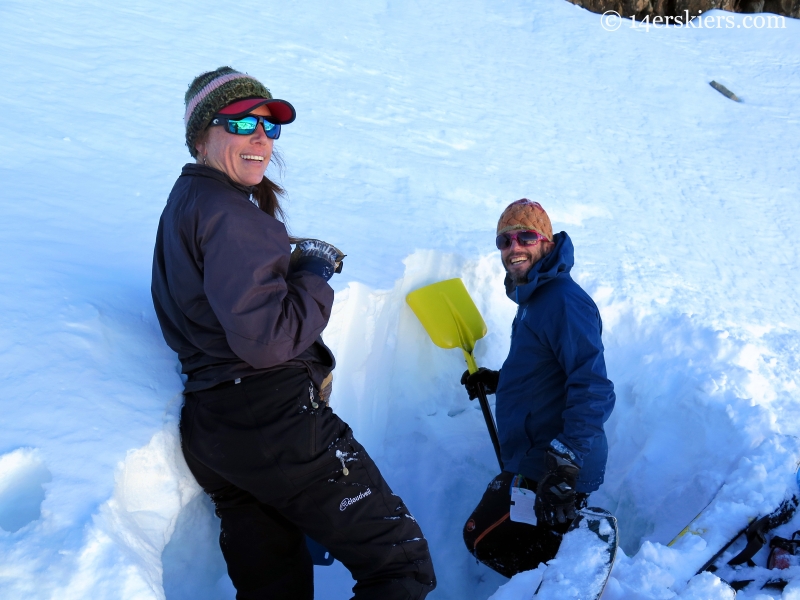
(316, 256)
(556, 496)
(487, 377)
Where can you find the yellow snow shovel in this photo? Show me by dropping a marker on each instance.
(452, 320)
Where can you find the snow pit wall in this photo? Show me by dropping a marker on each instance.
(688, 416)
(696, 407)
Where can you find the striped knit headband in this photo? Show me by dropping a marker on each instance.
(210, 87)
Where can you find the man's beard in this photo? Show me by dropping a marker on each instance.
(534, 255)
(521, 280)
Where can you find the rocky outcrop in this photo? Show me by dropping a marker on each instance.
(678, 8)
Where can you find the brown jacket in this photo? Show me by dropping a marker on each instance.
(222, 290)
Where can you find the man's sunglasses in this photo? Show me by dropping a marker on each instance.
(523, 238)
(247, 125)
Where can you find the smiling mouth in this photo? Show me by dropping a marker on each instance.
(518, 259)
(252, 157)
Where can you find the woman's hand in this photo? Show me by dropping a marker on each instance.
(316, 256)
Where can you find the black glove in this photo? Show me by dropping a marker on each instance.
(556, 497)
(316, 256)
(487, 377)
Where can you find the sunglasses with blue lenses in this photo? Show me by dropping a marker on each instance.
(247, 125)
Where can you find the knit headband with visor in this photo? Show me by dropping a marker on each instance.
(211, 92)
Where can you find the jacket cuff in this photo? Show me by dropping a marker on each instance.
(565, 450)
(316, 265)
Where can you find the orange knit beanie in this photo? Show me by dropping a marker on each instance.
(525, 214)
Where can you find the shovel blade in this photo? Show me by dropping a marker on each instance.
(448, 314)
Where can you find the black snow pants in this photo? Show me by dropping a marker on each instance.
(504, 545)
(278, 465)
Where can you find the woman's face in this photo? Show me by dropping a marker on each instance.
(243, 158)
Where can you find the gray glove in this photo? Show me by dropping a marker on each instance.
(316, 256)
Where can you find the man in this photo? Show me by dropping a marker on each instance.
(553, 397)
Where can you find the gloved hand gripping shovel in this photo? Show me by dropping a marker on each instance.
(452, 320)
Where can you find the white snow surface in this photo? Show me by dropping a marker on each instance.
(580, 569)
(418, 122)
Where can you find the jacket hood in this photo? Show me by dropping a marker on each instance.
(556, 264)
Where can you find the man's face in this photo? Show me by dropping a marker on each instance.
(519, 259)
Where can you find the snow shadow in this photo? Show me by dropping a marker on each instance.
(194, 568)
(22, 479)
(684, 418)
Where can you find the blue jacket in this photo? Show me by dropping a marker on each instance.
(553, 385)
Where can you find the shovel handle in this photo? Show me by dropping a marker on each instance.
(490, 425)
(472, 367)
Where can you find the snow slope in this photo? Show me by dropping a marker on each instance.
(417, 123)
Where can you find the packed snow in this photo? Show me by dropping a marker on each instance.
(418, 122)
(582, 565)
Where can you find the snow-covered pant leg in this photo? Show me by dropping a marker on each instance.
(366, 526)
(502, 544)
(265, 437)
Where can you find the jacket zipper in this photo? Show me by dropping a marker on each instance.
(313, 421)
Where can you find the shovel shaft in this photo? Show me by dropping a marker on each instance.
(490, 425)
(472, 366)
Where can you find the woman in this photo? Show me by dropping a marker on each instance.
(245, 317)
